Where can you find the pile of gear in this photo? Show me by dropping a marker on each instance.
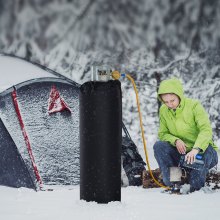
(212, 180)
(132, 162)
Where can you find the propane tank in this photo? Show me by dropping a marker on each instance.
(100, 137)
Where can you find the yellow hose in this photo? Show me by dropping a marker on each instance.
(116, 75)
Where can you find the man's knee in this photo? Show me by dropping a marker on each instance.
(158, 146)
(210, 157)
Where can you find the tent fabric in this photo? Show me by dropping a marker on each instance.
(26, 138)
(13, 171)
(54, 138)
(56, 102)
(24, 71)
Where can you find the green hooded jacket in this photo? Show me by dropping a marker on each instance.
(189, 122)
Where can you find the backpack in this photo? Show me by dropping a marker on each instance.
(132, 161)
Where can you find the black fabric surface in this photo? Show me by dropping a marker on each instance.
(100, 141)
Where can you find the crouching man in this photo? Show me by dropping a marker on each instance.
(184, 130)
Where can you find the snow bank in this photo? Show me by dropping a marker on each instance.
(137, 203)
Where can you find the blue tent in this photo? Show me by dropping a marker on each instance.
(54, 138)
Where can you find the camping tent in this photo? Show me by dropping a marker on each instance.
(54, 138)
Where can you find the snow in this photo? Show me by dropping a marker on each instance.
(16, 71)
(137, 203)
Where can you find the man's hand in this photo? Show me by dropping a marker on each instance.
(191, 156)
(181, 147)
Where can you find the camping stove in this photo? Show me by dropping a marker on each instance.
(175, 178)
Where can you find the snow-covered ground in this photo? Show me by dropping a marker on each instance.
(136, 204)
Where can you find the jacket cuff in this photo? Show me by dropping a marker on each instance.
(173, 140)
(198, 148)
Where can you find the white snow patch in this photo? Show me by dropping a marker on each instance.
(137, 203)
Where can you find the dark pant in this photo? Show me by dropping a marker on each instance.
(167, 156)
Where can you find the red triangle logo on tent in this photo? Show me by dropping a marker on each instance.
(55, 102)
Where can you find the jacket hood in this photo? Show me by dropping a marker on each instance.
(172, 85)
